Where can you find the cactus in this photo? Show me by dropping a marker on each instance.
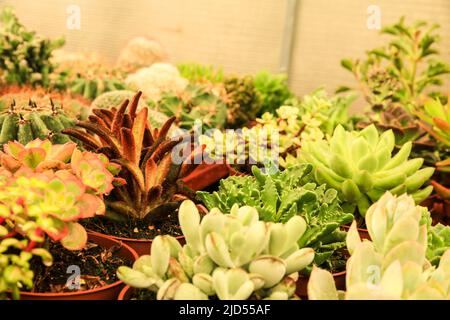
(27, 121)
(273, 90)
(228, 256)
(156, 79)
(282, 195)
(402, 71)
(138, 53)
(25, 55)
(90, 86)
(196, 102)
(360, 165)
(244, 101)
(153, 177)
(73, 106)
(391, 266)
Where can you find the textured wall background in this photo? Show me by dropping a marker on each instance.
(241, 35)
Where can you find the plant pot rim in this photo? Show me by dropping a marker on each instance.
(359, 229)
(123, 292)
(130, 239)
(84, 292)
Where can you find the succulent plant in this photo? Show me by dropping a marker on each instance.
(199, 73)
(360, 165)
(156, 79)
(25, 55)
(273, 90)
(244, 101)
(73, 106)
(50, 187)
(15, 264)
(281, 195)
(90, 86)
(391, 266)
(154, 185)
(196, 102)
(403, 70)
(27, 121)
(229, 256)
(138, 53)
(438, 242)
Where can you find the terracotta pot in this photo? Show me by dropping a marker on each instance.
(302, 284)
(363, 233)
(234, 172)
(108, 292)
(205, 175)
(125, 293)
(140, 246)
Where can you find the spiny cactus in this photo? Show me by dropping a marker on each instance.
(391, 266)
(360, 165)
(195, 102)
(154, 184)
(138, 53)
(27, 121)
(24, 55)
(91, 86)
(73, 106)
(281, 195)
(229, 256)
(244, 101)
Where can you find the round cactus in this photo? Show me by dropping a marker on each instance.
(26, 122)
(140, 52)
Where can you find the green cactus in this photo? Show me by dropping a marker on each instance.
(393, 265)
(282, 195)
(244, 101)
(25, 56)
(90, 86)
(361, 166)
(198, 73)
(229, 256)
(195, 102)
(29, 121)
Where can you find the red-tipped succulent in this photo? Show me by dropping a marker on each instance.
(154, 188)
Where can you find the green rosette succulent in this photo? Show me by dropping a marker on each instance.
(361, 166)
(281, 195)
(393, 265)
(231, 256)
(273, 90)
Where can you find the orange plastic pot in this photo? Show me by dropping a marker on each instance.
(140, 246)
(108, 292)
(205, 175)
(125, 293)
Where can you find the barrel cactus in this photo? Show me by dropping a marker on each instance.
(244, 101)
(29, 121)
(91, 86)
(140, 52)
(229, 256)
(361, 166)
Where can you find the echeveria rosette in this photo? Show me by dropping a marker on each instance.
(362, 167)
(394, 265)
(229, 256)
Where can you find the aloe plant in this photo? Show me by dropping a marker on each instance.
(391, 266)
(231, 256)
(361, 166)
(154, 188)
(403, 70)
(280, 196)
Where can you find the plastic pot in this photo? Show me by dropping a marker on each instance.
(108, 292)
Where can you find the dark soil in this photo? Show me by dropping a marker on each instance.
(135, 229)
(142, 294)
(97, 266)
(338, 260)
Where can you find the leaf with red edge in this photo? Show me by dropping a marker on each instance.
(441, 190)
(62, 152)
(55, 228)
(76, 238)
(32, 157)
(138, 132)
(89, 205)
(8, 162)
(13, 148)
